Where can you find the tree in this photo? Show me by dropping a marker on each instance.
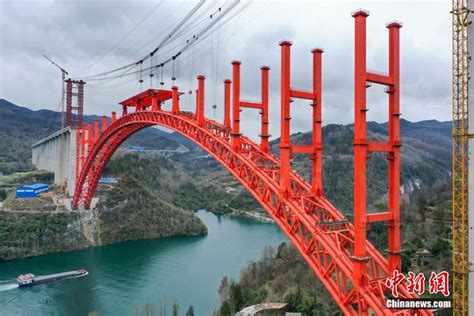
(224, 289)
(190, 311)
(175, 309)
(293, 299)
(281, 248)
(236, 296)
(440, 248)
(225, 309)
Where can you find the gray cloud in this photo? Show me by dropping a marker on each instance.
(77, 34)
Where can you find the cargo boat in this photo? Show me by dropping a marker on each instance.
(30, 279)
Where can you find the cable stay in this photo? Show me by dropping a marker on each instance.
(189, 43)
(151, 72)
(180, 24)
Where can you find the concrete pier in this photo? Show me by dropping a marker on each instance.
(46, 155)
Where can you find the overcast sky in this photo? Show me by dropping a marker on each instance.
(88, 37)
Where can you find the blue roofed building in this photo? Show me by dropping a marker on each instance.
(32, 190)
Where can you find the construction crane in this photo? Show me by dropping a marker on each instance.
(460, 159)
(64, 73)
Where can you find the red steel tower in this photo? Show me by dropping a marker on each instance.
(362, 147)
(314, 96)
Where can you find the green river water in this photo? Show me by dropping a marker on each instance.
(125, 277)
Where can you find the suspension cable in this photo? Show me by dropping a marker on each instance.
(189, 43)
(175, 29)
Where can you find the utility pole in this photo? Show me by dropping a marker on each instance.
(61, 146)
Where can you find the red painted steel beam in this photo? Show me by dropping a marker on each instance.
(264, 142)
(360, 257)
(82, 144)
(78, 150)
(285, 147)
(379, 217)
(317, 175)
(96, 130)
(379, 147)
(155, 104)
(394, 259)
(236, 105)
(200, 103)
(379, 78)
(302, 149)
(250, 105)
(308, 95)
(104, 123)
(227, 83)
(175, 100)
(90, 137)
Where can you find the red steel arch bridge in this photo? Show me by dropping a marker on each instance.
(353, 271)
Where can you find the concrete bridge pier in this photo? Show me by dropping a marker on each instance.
(46, 155)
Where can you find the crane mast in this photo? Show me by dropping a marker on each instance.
(460, 157)
(64, 73)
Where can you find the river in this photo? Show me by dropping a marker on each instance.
(124, 278)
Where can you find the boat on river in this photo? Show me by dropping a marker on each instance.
(30, 279)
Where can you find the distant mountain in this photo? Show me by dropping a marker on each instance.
(426, 152)
(21, 127)
(426, 159)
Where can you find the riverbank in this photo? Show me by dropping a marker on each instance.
(124, 277)
(255, 215)
(141, 206)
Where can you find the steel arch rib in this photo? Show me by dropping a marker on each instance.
(303, 217)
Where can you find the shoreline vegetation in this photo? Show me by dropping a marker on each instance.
(145, 204)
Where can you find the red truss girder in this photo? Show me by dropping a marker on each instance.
(316, 228)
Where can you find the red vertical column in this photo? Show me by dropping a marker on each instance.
(96, 130)
(197, 101)
(104, 123)
(139, 106)
(285, 148)
(236, 105)
(124, 110)
(227, 83)
(175, 101)
(360, 150)
(114, 117)
(200, 101)
(90, 137)
(155, 106)
(264, 145)
(83, 147)
(317, 176)
(394, 261)
(78, 150)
